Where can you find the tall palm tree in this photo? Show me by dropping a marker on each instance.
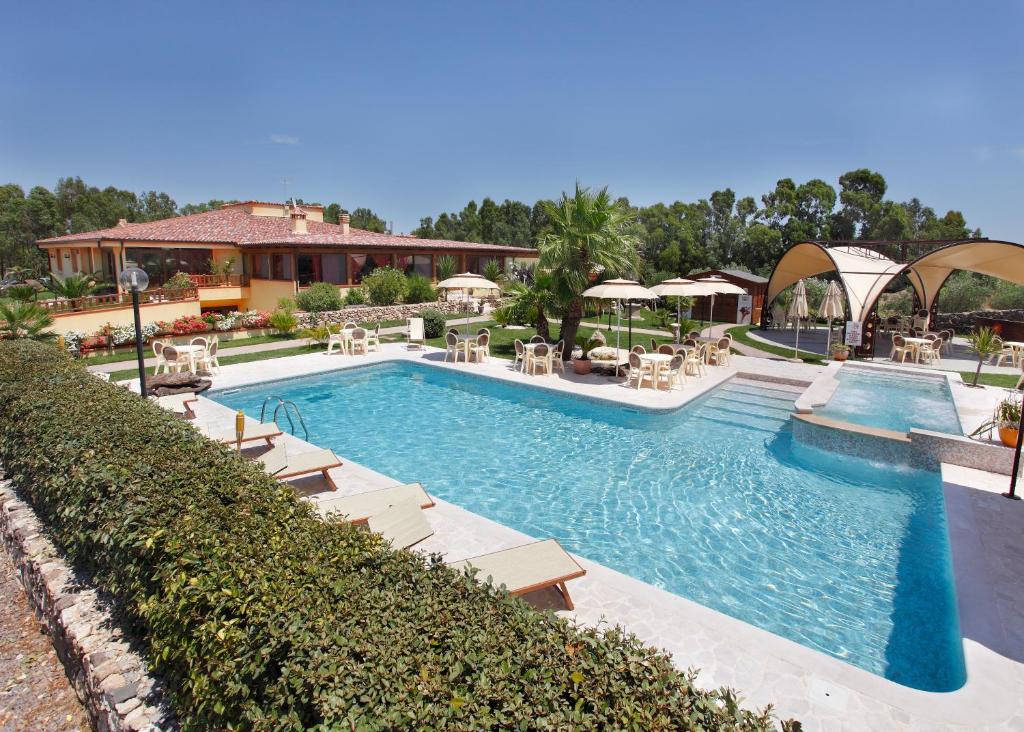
(588, 235)
(24, 320)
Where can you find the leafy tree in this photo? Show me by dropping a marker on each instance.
(861, 193)
(155, 206)
(529, 302)
(586, 237)
(385, 285)
(668, 258)
(364, 218)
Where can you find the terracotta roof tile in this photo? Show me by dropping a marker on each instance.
(233, 225)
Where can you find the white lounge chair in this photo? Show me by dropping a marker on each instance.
(283, 466)
(415, 335)
(402, 525)
(357, 508)
(527, 568)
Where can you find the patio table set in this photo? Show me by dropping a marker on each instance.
(352, 339)
(669, 364)
(471, 347)
(200, 353)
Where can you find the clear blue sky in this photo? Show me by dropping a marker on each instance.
(414, 108)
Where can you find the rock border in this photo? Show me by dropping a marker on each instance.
(111, 680)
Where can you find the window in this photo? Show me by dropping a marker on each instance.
(335, 269)
(281, 266)
(162, 264)
(308, 268)
(261, 266)
(421, 264)
(476, 263)
(363, 264)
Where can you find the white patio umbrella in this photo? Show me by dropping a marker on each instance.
(798, 310)
(619, 290)
(467, 281)
(715, 285)
(831, 307)
(678, 287)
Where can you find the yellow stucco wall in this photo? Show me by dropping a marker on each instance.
(216, 297)
(90, 321)
(264, 294)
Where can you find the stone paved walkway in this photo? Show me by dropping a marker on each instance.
(35, 695)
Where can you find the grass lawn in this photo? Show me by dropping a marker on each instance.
(739, 334)
(1007, 381)
(227, 360)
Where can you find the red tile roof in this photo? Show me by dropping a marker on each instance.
(236, 226)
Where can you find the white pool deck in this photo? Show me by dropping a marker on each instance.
(823, 692)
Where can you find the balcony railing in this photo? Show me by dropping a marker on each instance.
(212, 280)
(119, 299)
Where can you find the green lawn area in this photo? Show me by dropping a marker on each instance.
(227, 360)
(739, 334)
(1007, 381)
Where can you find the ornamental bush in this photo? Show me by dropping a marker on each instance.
(319, 298)
(433, 323)
(260, 616)
(418, 289)
(385, 285)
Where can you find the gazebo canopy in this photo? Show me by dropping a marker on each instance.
(865, 273)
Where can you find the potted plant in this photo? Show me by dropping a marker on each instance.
(581, 364)
(1006, 420)
(840, 351)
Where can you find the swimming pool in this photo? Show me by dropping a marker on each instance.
(899, 402)
(713, 502)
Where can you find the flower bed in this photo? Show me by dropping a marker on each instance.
(110, 337)
(261, 616)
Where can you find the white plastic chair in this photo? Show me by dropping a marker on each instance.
(209, 360)
(638, 369)
(479, 350)
(452, 347)
(520, 359)
(158, 353)
(541, 356)
(673, 373)
(373, 338)
(557, 356)
(415, 336)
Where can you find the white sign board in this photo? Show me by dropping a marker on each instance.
(854, 332)
(744, 309)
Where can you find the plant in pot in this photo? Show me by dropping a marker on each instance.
(840, 351)
(1005, 420)
(581, 364)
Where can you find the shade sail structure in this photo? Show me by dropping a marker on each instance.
(1001, 259)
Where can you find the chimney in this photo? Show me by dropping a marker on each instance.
(122, 222)
(343, 221)
(298, 221)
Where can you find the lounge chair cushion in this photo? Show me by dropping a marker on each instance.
(274, 460)
(525, 568)
(402, 525)
(359, 507)
(253, 431)
(314, 461)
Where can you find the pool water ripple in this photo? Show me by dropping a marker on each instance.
(714, 502)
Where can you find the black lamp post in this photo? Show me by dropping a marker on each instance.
(135, 280)
(1012, 493)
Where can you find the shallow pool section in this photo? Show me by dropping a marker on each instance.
(713, 502)
(892, 401)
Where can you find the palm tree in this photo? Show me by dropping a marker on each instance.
(983, 343)
(532, 300)
(73, 286)
(25, 320)
(587, 235)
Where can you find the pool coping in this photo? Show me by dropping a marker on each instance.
(986, 698)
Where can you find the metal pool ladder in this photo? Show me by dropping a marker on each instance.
(289, 409)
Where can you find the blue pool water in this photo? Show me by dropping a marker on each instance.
(713, 502)
(892, 401)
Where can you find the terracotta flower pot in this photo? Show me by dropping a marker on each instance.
(581, 366)
(1008, 436)
(840, 355)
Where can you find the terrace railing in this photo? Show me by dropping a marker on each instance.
(216, 280)
(118, 299)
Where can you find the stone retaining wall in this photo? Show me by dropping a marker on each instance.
(110, 679)
(965, 322)
(371, 313)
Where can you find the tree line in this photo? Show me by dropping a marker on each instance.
(722, 231)
(674, 238)
(74, 206)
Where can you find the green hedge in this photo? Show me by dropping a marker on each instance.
(261, 616)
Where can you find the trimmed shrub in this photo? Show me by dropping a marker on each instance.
(319, 297)
(385, 285)
(433, 323)
(418, 289)
(283, 321)
(261, 616)
(445, 267)
(355, 296)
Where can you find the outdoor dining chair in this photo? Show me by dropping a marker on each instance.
(479, 350)
(487, 343)
(639, 369)
(359, 340)
(520, 359)
(557, 356)
(900, 348)
(694, 362)
(451, 341)
(208, 360)
(537, 339)
(665, 348)
(158, 353)
(1006, 352)
(541, 356)
(673, 373)
(175, 360)
(373, 338)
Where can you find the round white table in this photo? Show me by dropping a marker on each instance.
(657, 361)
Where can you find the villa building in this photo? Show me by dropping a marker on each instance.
(276, 249)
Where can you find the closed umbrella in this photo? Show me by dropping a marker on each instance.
(620, 290)
(678, 288)
(798, 310)
(467, 281)
(831, 307)
(715, 285)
